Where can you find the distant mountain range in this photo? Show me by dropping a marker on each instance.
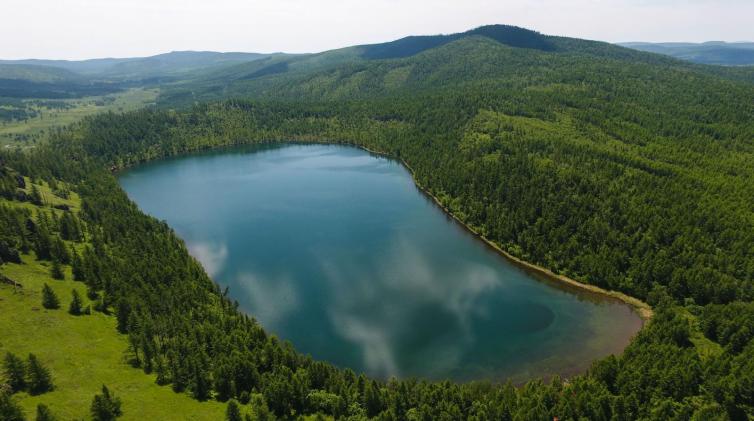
(35, 78)
(414, 61)
(138, 68)
(713, 52)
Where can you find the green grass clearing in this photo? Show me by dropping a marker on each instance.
(29, 131)
(82, 352)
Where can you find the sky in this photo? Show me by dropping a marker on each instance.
(79, 29)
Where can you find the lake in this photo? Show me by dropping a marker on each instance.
(337, 251)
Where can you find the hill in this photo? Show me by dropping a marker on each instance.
(488, 53)
(495, 52)
(142, 68)
(713, 52)
(36, 73)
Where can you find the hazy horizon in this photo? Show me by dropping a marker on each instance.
(88, 29)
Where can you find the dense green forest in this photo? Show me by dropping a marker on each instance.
(624, 170)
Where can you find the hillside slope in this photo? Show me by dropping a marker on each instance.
(491, 54)
(142, 68)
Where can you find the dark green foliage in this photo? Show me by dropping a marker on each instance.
(409, 46)
(233, 413)
(44, 413)
(732, 325)
(123, 313)
(56, 270)
(36, 196)
(49, 299)
(77, 267)
(14, 371)
(38, 376)
(43, 244)
(70, 228)
(8, 252)
(106, 406)
(9, 410)
(14, 236)
(59, 251)
(75, 308)
(18, 88)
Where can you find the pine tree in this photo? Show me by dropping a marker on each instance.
(43, 245)
(57, 270)
(201, 384)
(261, 410)
(106, 407)
(9, 410)
(59, 250)
(92, 293)
(122, 316)
(233, 413)
(36, 196)
(77, 266)
(44, 413)
(75, 307)
(49, 299)
(15, 372)
(38, 375)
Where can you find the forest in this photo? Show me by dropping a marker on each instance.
(633, 176)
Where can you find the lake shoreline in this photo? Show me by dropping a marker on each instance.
(642, 309)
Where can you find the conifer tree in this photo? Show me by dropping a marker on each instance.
(77, 266)
(262, 412)
(75, 307)
(233, 413)
(56, 271)
(59, 251)
(122, 315)
(9, 410)
(49, 299)
(201, 386)
(15, 372)
(106, 407)
(36, 196)
(43, 244)
(44, 413)
(38, 376)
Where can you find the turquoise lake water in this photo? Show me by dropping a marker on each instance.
(336, 250)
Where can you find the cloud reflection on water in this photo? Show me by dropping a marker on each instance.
(384, 311)
(212, 256)
(272, 299)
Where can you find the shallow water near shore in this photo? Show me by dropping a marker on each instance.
(336, 250)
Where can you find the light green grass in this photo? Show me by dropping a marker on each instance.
(49, 197)
(51, 119)
(704, 346)
(82, 352)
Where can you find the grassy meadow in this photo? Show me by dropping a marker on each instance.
(82, 352)
(48, 119)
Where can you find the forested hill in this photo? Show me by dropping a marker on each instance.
(173, 64)
(498, 55)
(622, 169)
